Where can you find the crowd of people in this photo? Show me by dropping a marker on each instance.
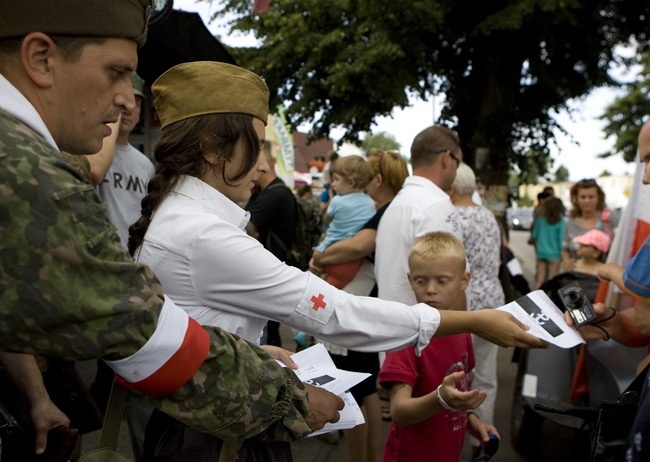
(174, 286)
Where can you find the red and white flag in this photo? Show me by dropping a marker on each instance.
(633, 229)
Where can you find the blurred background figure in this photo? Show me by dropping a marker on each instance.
(305, 192)
(481, 190)
(482, 241)
(548, 235)
(327, 194)
(547, 193)
(592, 251)
(273, 222)
(588, 212)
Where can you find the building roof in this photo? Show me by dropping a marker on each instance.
(306, 152)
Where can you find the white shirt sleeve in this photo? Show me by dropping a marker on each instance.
(235, 273)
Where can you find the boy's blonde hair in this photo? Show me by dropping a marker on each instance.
(438, 245)
(354, 170)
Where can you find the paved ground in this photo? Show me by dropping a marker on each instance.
(316, 450)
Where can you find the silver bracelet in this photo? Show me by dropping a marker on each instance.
(442, 402)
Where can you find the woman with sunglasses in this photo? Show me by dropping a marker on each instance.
(191, 233)
(588, 212)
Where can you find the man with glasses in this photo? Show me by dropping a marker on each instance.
(422, 206)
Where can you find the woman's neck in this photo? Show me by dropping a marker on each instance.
(591, 215)
(464, 201)
(383, 196)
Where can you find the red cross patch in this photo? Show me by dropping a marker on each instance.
(319, 302)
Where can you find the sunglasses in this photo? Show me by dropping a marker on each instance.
(381, 159)
(451, 153)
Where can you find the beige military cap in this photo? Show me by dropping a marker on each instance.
(208, 87)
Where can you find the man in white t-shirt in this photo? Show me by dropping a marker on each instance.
(121, 172)
(422, 206)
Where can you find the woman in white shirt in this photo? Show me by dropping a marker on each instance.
(191, 232)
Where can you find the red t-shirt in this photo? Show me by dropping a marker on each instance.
(440, 437)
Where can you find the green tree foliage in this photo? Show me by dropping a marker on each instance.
(381, 140)
(504, 66)
(561, 174)
(626, 114)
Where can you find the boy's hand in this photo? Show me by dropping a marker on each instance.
(460, 400)
(480, 430)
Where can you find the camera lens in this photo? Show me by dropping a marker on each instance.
(572, 297)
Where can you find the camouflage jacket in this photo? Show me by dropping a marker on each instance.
(68, 290)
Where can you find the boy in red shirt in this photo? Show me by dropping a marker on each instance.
(430, 396)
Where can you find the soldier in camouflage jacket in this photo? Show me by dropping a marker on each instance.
(67, 289)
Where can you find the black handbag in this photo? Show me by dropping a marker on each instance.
(611, 431)
(608, 426)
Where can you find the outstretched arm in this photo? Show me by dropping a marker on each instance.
(495, 326)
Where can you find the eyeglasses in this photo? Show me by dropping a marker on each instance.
(585, 182)
(453, 156)
(451, 153)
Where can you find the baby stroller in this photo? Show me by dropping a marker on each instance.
(545, 377)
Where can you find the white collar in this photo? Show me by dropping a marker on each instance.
(15, 103)
(423, 182)
(212, 200)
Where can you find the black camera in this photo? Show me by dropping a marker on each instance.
(577, 303)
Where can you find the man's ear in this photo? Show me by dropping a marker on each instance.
(36, 52)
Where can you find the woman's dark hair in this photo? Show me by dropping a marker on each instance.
(180, 151)
(585, 184)
(553, 210)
